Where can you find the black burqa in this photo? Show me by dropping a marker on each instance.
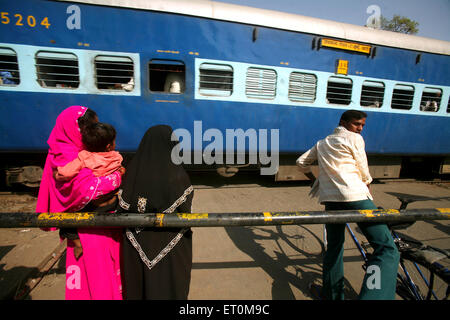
(157, 262)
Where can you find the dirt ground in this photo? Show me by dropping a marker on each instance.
(239, 263)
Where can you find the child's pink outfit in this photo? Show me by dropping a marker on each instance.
(101, 164)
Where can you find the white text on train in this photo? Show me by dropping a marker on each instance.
(214, 152)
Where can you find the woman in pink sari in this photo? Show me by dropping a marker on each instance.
(95, 275)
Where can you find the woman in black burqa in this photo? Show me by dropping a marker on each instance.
(157, 262)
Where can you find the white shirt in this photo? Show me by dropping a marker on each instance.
(343, 168)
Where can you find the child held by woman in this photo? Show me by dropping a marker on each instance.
(99, 140)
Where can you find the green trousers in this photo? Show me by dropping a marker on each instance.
(380, 280)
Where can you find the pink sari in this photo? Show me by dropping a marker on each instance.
(96, 274)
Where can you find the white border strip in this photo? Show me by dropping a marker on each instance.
(281, 98)
(28, 77)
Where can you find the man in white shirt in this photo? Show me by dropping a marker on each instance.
(343, 184)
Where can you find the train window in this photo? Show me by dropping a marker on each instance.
(9, 67)
(114, 73)
(167, 76)
(339, 90)
(302, 87)
(261, 83)
(57, 69)
(216, 79)
(372, 94)
(402, 97)
(431, 99)
(448, 106)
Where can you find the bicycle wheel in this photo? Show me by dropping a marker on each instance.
(302, 239)
(423, 275)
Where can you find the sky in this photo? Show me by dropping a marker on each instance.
(432, 15)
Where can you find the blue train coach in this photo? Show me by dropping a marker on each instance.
(240, 86)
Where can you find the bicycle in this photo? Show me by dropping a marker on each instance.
(423, 271)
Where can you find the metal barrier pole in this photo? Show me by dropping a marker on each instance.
(179, 220)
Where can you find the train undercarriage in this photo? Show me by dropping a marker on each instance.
(26, 168)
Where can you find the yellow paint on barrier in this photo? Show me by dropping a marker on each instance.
(374, 213)
(193, 216)
(267, 216)
(159, 219)
(390, 211)
(302, 214)
(61, 216)
(367, 213)
(446, 211)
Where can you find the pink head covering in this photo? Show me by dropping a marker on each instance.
(65, 138)
(64, 144)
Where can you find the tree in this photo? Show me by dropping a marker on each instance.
(399, 24)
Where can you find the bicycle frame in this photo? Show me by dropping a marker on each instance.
(397, 239)
(408, 282)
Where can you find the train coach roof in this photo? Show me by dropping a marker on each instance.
(281, 20)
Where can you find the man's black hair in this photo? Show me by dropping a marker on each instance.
(97, 136)
(353, 115)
